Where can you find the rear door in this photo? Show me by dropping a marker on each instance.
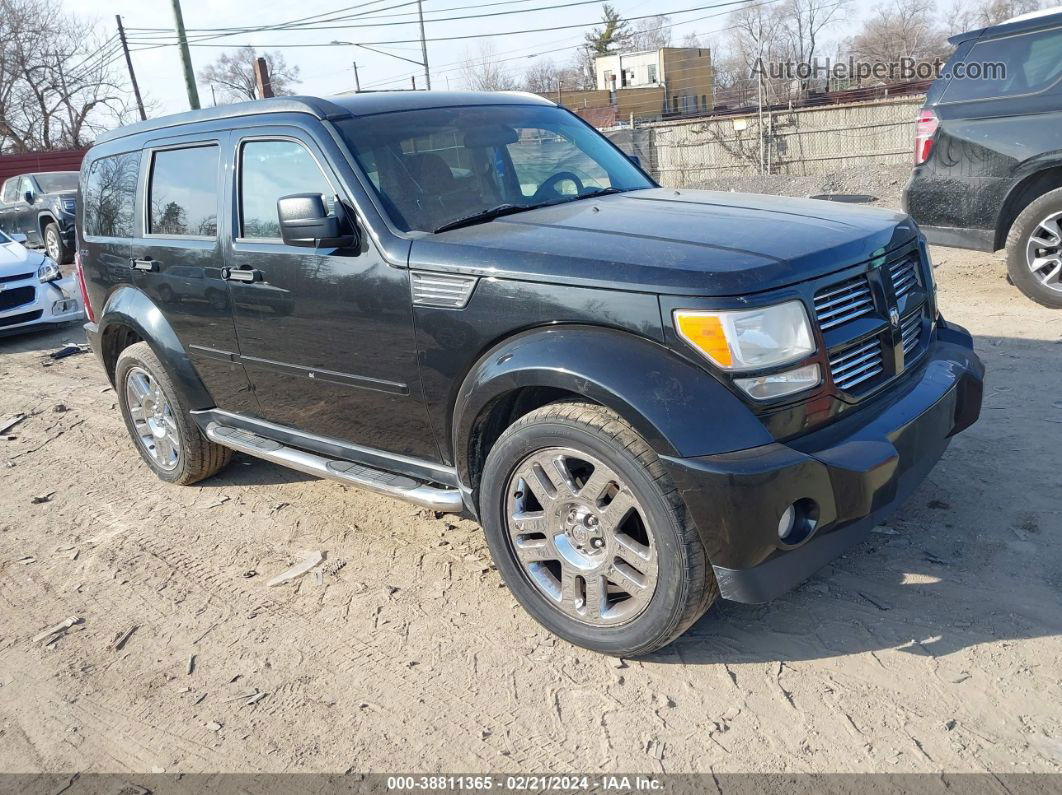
(326, 335)
(176, 257)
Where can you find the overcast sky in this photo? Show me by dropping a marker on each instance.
(327, 70)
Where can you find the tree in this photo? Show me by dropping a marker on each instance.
(59, 85)
(983, 13)
(542, 78)
(483, 70)
(653, 33)
(612, 35)
(232, 75)
(900, 29)
(806, 20)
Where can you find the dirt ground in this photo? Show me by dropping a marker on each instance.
(933, 647)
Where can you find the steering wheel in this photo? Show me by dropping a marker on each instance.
(551, 183)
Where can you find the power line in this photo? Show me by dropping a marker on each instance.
(468, 36)
(458, 65)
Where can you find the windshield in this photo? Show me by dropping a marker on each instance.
(435, 166)
(57, 181)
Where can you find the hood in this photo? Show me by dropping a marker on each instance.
(671, 241)
(15, 259)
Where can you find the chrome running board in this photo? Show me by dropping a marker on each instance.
(437, 498)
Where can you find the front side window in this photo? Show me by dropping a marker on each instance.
(109, 195)
(183, 195)
(26, 186)
(270, 170)
(435, 166)
(1014, 65)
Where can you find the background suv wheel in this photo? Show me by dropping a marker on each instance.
(164, 433)
(589, 532)
(54, 245)
(1034, 250)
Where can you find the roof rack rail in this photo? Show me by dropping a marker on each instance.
(315, 106)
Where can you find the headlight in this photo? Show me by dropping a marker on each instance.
(748, 339)
(48, 272)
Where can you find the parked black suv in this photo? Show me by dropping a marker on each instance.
(474, 302)
(41, 207)
(988, 154)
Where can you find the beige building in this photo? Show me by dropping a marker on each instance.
(680, 76)
(646, 85)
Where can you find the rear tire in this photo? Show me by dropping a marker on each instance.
(162, 430)
(1034, 250)
(574, 565)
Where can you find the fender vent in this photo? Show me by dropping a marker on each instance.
(443, 290)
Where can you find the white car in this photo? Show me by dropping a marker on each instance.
(33, 290)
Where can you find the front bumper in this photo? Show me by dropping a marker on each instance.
(854, 472)
(45, 304)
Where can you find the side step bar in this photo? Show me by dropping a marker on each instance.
(436, 498)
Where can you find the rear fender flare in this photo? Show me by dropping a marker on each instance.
(130, 307)
(680, 409)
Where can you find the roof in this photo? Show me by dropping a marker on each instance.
(331, 108)
(1035, 20)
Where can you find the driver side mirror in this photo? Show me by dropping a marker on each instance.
(29, 197)
(635, 159)
(304, 221)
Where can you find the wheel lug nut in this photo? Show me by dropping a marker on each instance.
(597, 543)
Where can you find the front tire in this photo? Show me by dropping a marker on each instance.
(590, 533)
(54, 245)
(1034, 250)
(162, 430)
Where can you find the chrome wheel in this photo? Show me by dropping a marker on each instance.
(52, 244)
(581, 537)
(1043, 252)
(153, 418)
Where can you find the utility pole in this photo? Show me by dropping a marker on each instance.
(357, 82)
(186, 57)
(423, 44)
(129, 63)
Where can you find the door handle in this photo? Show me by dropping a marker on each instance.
(144, 264)
(241, 274)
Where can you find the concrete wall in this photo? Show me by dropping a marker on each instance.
(801, 142)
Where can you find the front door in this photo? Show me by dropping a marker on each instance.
(25, 212)
(8, 195)
(326, 335)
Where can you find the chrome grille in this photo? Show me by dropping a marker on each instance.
(853, 366)
(843, 302)
(911, 331)
(904, 275)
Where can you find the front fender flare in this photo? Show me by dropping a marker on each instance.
(679, 408)
(130, 307)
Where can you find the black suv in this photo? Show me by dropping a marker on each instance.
(474, 302)
(988, 153)
(41, 207)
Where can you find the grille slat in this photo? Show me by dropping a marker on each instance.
(839, 304)
(911, 333)
(904, 276)
(854, 366)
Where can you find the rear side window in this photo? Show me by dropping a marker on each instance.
(183, 195)
(270, 170)
(109, 196)
(10, 190)
(1010, 66)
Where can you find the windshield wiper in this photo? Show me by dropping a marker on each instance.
(486, 215)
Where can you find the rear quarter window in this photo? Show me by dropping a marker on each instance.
(1010, 66)
(109, 195)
